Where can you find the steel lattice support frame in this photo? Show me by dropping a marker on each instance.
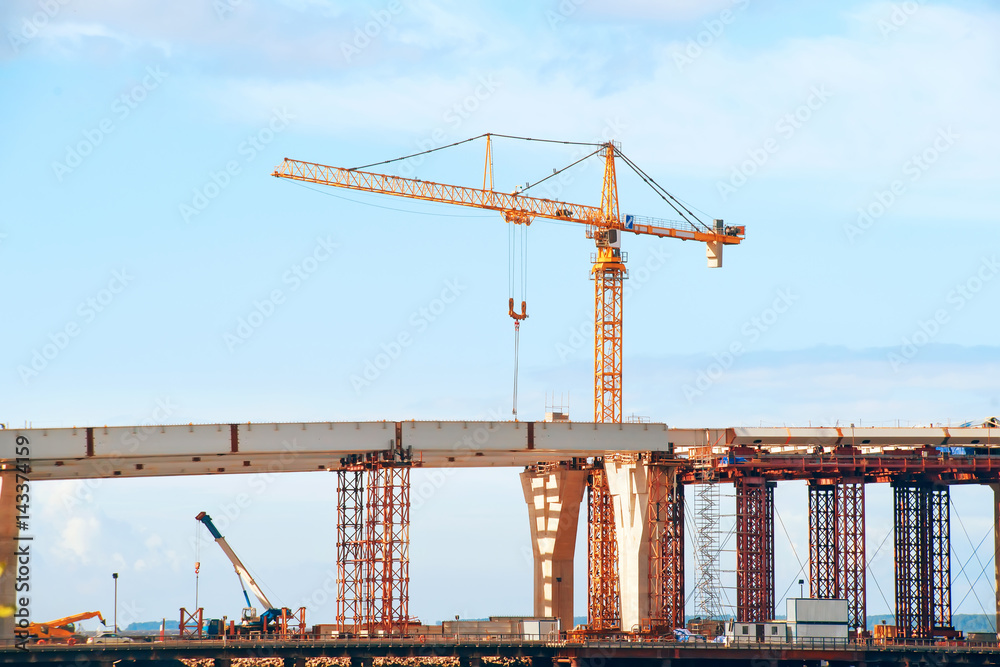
(373, 547)
(388, 547)
(603, 601)
(754, 549)
(837, 545)
(666, 549)
(923, 557)
(608, 279)
(823, 542)
(352, 558)
(851, 517)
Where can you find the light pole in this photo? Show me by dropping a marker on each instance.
(114, 575)
(802, 593)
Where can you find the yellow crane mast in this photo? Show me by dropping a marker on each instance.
(604, 225)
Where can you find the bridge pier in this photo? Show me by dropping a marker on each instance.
(294, 662)
(922, 540)
(554, 497)
(8, 551)
(754, 549)
(628, 484)
(837, 544)
(361, 661)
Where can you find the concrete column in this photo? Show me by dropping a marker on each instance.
(628, 484)
(553, 500)
(8, 551)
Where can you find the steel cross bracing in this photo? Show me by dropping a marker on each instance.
(754, 549)
(823, 554)
(603, 601)
(666, 549)
(708, 598)
(352, 559)
(851, 523)
(837, 545)
(373, 544)
(389, 549)
(922, 556)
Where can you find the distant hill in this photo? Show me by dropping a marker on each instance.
(151, 626)
(963, 622)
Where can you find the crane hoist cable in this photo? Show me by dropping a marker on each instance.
(517, 280)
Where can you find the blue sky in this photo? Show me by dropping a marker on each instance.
(856, 142)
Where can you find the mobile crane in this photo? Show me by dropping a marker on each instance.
(274, 620)
(61, 630)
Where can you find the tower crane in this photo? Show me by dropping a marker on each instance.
(603, 224)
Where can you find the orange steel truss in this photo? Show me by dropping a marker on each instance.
(837, 544)
(352, 559)
(373, 548)
(923, 557)
(603, 601)
(754, 549)
(515, 207)
(388, 542)
(666, 549)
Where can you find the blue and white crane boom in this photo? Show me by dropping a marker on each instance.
(241, 569)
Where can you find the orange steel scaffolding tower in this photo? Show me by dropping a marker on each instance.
(923, 557)
(666, 549)
(754, 549)
(603, 602)
(837, 544)
(373, 546)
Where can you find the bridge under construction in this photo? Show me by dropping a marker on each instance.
(633, 477)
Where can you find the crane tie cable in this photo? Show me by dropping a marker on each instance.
(465, 141)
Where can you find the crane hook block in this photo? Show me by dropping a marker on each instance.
(524, 311)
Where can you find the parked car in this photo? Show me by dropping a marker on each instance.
(109, 638)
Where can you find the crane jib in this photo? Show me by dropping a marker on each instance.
(516, 207)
